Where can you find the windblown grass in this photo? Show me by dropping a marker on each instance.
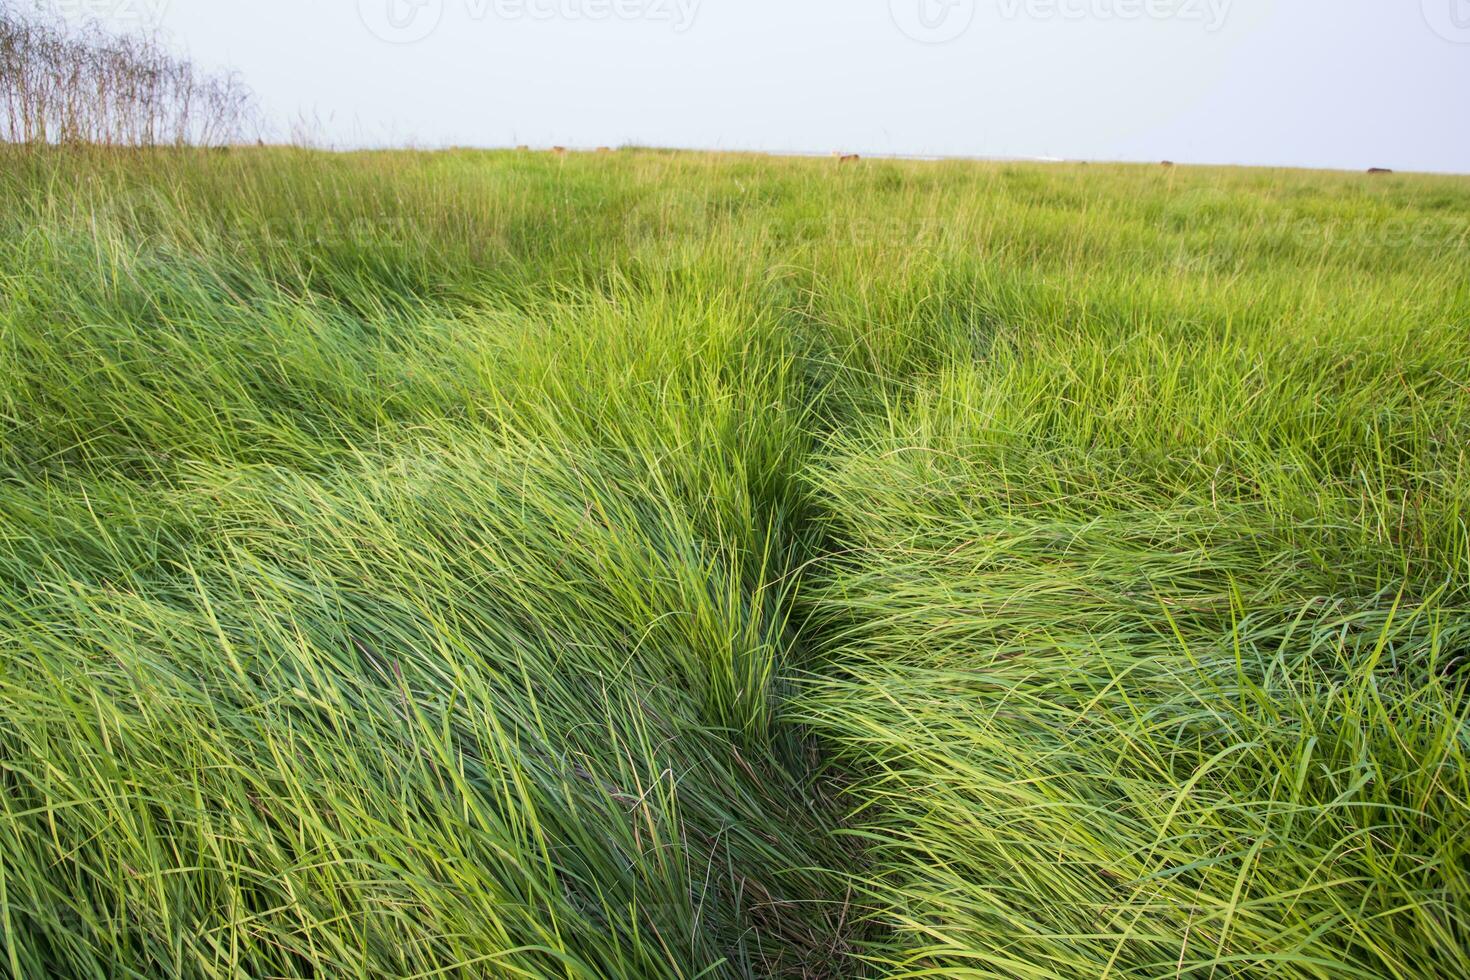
(654, 565)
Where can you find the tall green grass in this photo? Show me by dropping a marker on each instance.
(670, 565)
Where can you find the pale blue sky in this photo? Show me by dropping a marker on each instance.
(1328, 83)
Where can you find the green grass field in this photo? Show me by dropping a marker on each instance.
(657, 565)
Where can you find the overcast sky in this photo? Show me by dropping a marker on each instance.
(1316, 83)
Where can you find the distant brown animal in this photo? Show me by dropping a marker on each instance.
(848, 158)
(604, 149)
(1167, 163)
(560, 151)
(1379, 170)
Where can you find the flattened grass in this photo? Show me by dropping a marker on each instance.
(655, 565)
